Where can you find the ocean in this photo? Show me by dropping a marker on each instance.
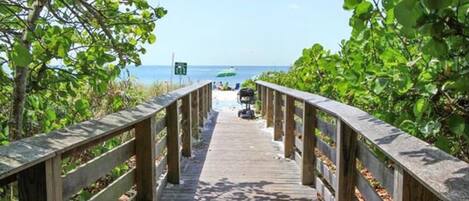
(148, 74)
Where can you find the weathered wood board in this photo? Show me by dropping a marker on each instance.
(238, 161)
(441, 173)
(27, 152)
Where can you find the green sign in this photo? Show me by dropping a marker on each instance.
(180, 68)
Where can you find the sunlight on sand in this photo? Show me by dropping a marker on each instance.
(225, 100)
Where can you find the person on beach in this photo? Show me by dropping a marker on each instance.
(220, 86)
(226, 87)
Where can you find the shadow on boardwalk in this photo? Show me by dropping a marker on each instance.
(211, 175)
(224, 189)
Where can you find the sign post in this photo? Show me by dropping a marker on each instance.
(180, 68)
(172, 70)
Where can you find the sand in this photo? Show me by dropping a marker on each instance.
(225, 101)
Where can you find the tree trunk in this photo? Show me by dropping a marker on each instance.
(21, 74)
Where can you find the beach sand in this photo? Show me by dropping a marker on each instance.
(225, 101)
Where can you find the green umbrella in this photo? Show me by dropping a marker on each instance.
(227, 73)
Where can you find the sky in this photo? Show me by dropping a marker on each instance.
(245, 32)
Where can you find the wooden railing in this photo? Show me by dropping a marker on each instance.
(340, 148)
(154, 148)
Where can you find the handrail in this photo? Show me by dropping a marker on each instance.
(39, 157)
(416, 163)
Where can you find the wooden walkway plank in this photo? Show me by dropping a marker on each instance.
(237, 160)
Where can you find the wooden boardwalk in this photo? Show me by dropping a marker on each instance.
(237, 160)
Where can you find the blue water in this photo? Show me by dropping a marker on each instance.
(148, 74)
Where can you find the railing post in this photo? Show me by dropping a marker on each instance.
(186, 126)
(259, 98)
(406, 188)
(263, 101)
(32, 183)
(278, 116)
(289, 126)
(54, 178)
(204, 100)
(308, 159)
(201, 106)
(346, 161)
(210, 89)
(145, 134)
(172, 143)
(398, 184)
(41, 182)
(270, 107)
(207, 102)
(195, 114)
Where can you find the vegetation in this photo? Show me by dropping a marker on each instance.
(91, 40)
(59, 64)
(406, 62)
(119, 95)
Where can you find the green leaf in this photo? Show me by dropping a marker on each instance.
(363, 10)
(408, 125)
(430, 89)
(161, 12)
(20, 55)
(108, 57)
(456, 124)
(404, 84)
(151, 38)
(62, 51)
(431, 128)
(352, 77)
(443, 143)
(351, 4)
(50, 114)
(391, 57)
(342, 87)
(406, 13)
(420, 106)
(34, 101)
(138, 31)
(146, 14)
(432, 29)
(358, 26)
(380, 85)
(117, 103)
(425, 76)
(463, 12)
(409, 32)
(436, 4)
(81, 106)
(101, 87)
(461, 84)
(390, 16)
(436, 48)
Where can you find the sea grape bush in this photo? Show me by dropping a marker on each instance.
(406, 62)
(59, 64)
(59, 58)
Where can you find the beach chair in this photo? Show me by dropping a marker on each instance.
(237, 86)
